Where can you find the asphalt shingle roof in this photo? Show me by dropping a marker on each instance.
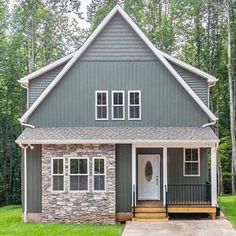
(113, 134)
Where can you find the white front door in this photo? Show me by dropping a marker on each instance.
(149, 177)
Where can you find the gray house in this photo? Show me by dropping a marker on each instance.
(118, 130)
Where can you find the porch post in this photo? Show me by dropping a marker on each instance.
(164, 174)
(133, 175)
(213, 176)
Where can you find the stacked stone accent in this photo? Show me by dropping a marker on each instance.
(78, 207)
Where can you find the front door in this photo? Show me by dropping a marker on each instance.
(148, 177)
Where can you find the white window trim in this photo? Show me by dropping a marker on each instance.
(129, 105)
(69, 174)
(198, 161)
(57, 191)
(118, 105)
(105, 174)
(96, 105)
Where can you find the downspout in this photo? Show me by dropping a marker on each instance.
(26, 125)
(209, 124)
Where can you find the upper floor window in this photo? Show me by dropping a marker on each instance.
(134, 105)
(118, 105)
(58, 174)
(101, 103)
(78, 172)
(191, 162)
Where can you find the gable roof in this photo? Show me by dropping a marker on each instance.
(160, 55)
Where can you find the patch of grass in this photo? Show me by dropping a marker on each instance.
(228, 206)
(11, 224)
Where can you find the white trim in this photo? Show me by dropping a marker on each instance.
(105, 174)
(210, 78)
(75, 57)
(134, 105)
(25, 184)
(69, 174)
(165, 169)
(58, 158)
(198, 162)
(118, 105)
(168, 143)
(213, 175)
(96, 105)
(43, 70)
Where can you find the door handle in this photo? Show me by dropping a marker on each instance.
(157, 180)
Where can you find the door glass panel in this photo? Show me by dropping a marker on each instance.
(148, 171)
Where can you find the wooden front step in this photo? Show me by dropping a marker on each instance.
(150, 214)
(150, 220)
(150, 209)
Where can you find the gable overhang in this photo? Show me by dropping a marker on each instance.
(77, 54)
(25, 80)
(211, 80)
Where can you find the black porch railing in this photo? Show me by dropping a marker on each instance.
(186, 194)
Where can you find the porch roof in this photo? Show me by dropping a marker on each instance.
(70, 135)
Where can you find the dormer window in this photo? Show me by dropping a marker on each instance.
(134, 105)
(101, 105)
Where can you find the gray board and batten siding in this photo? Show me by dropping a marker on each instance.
(34, 179)
(38, 85)
(113, 62)
(164, 101)
(196, 83)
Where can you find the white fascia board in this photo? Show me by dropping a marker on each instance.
(25, 80)
(69, 64)
(210, 78)
(168, 66)
(116, 9)
(168, 143)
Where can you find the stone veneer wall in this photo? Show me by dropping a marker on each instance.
(78, 207)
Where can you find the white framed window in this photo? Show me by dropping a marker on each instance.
(101, 105)
(118, 105)
(191, 162)
(99, 174)
(58, 174)
(78, 174)
(134, 105)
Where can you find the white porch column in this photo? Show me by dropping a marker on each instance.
(213, 176)
(133, 175)
(164, 174)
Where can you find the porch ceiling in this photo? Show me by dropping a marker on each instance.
(69, 135)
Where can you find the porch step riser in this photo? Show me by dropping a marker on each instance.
(150, 210)
(150, 215)
(150, 220)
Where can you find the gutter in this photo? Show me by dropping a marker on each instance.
(26, 125)
(209, 124)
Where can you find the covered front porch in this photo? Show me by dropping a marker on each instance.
(173, 177)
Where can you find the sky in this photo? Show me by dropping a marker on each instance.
(84, 4)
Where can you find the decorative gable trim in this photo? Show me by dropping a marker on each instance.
(45, 69)
(76, 56)
(210, 78)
